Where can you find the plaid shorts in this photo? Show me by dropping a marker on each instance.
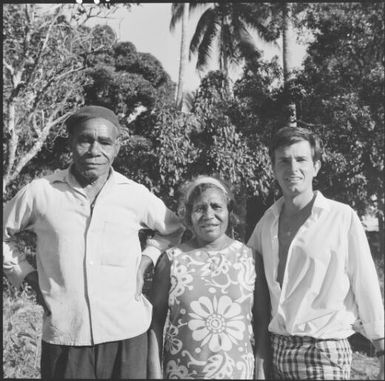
(298, 357)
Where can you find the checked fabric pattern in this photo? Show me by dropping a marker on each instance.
(296, 358)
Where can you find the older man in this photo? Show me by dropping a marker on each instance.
(318, 267)
(89, 261)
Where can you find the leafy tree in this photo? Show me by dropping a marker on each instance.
(225, 149)
(344, 80)
(284, 19)
(127, 81)
(167, 147)
(44, 57)
(217, 146)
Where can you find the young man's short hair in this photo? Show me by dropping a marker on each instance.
(287, 136)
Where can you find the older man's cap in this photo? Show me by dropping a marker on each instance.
(91, 112)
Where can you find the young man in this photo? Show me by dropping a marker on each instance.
(318, 267)
(89, 261)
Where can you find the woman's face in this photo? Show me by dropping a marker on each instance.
(209, 215)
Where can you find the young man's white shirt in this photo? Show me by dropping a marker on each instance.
(330, 279)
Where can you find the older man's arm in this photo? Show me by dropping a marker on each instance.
(168, 230)
(17, 217)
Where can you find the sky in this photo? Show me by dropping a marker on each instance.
(147, 27)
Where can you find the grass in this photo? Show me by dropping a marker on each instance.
(22, 325)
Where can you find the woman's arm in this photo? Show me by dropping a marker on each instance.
(159, 299)
(261, 319)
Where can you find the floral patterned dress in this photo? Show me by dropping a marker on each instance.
(210, 310)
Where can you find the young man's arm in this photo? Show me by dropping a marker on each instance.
(379, 347)
(365, 286)
(168, 230)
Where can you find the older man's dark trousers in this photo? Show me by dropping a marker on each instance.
(125, 359)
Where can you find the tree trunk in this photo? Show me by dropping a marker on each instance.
(287, 42)
(224, 57)
(381, 236)
(14, 170)
(183, 58)
(11, 144)
(380, 219)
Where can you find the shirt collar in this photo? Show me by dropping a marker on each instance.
(320, 203)
(66, 176)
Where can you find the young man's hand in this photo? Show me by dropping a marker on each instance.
(381, 373)
(379, 347)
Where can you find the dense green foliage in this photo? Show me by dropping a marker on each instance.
(344, 81)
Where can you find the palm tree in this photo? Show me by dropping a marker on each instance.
(180, 11)
(226, 25)
(287, 37)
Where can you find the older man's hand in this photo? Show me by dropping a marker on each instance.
(145, 262)
(33, 280)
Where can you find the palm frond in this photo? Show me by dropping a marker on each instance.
(227, 43)
(176, 15)
(188, 99)
(204, 21)
(204, 48)
(246, 44)
(262, 18)
(196, 6)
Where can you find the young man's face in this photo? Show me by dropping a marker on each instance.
(294, 168)
(94, 147)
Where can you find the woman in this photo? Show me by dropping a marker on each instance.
(214, 290)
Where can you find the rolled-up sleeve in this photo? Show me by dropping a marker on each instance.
(17, 216)
(167, 225)
(364, 281)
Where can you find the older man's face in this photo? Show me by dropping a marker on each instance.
(94, 147)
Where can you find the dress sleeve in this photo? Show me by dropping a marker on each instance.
(364, 281)
(17, 216)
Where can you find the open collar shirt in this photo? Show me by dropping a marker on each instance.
(87, 255)
(330, 284)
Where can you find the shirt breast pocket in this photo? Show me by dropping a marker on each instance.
(120, 243)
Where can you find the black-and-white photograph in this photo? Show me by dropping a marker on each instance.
(193, 190)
